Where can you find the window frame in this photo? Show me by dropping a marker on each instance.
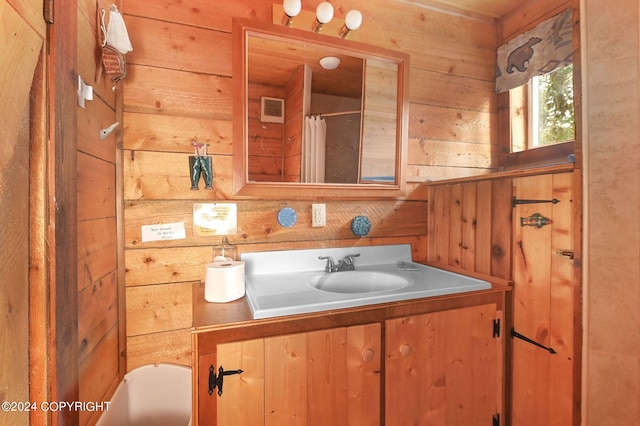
(548, 155)
(534, 156)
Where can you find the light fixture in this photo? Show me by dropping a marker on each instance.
(324, 14)
(291, 9)
(352, 22)
(329, 62)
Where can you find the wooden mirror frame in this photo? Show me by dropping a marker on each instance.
(243, 188)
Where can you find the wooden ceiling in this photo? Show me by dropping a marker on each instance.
(486, 9)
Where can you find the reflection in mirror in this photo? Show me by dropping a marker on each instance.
(379, 122)
(307, 124)
(296, 149)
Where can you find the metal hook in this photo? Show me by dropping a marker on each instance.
(106, 132)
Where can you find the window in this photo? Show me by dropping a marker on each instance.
(542, 112)
(553, 117)
(537, 122)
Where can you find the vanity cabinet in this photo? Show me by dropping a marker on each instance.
(430, 361)
(444, 368)
(316, 378)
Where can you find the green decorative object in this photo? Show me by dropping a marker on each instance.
(536, 220)
(201, 165)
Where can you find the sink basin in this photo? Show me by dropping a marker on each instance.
(290, 282)
(359, 282)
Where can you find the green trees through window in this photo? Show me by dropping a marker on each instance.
(552, 109)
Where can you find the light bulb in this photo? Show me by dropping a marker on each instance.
(324, 12)
(353, 20)
(292, 7)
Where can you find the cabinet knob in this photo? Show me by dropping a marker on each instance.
(405, 350)
(367, 355)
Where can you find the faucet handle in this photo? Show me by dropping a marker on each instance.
(348, 259)
(330, 266)
(346, 264)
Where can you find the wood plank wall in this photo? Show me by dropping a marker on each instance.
(179, 89)
(267, 139)
(612, 243)
(294, 124)
(21, 45)
(99, 325)
(469, 226)
(528, 16)
(70, 321)
(469, 223)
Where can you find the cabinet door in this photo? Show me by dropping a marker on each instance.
(242, 400)
(315, 378)
(444, 368)
(344, 376)
(545, 293)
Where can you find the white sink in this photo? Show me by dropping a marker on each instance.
(293, 282)
(358, 282)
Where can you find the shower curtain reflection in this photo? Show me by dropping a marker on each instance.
(313, 149)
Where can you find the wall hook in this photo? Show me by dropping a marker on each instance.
(106, 132)
(85, 92)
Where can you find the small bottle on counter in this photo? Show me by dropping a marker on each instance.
(224, 252)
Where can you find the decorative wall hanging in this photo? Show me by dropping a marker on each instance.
(539, 51)
(115, 44)
(287, 217)
(115, 66)
(201, 164)
(215, 219)
(536, 220)
(360, 226)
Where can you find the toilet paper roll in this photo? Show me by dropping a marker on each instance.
(224, 281)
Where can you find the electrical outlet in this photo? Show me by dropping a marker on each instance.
(318, 215)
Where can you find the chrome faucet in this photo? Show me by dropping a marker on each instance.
(346, 264)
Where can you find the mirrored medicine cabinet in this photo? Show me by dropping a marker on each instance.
(283, 92)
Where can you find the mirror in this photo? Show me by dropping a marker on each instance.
(306, 130)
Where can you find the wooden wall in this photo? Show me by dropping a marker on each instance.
(267, 139)
(21, 41)
(529, 15)
(179, 89)
(469, 226)
(99, 325)
(294, 124)
(60, 240)
(612, 155)
(473, 226)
